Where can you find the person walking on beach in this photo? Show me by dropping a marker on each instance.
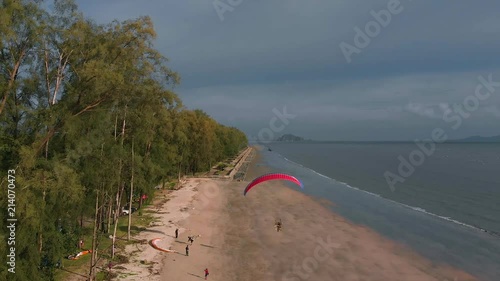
(278, 225)
(110, 265)
(206, 273)
(187, 250)
(176, 233)
(191, 239)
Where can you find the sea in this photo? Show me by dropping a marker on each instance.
(445, 203)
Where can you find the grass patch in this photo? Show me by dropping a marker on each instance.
(105, 275)
(221, 166)
(125, 275)
(140, 221)
(121, 259)
(171, 185)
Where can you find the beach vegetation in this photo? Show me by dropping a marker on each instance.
(88, 116)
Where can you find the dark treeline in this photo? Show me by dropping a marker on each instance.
(87, 118)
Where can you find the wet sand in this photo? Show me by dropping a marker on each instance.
(239, 242)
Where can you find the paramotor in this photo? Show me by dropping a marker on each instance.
(274, 176)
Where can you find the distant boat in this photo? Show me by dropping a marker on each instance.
(269, 149)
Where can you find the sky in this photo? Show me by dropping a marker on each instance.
(243, 62)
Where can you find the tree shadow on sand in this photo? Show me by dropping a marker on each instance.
(195, 275)
(72, 272)
(155, 231)
(124, 228)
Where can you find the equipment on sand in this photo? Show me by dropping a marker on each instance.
(79, 255)
(155, 245)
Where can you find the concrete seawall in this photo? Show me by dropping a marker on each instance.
(240, 162)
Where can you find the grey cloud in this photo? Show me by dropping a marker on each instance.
(268, 54)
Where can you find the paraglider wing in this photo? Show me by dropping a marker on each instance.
(155, 245)
(275, 176)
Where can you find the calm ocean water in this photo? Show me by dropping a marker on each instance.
(448, 210)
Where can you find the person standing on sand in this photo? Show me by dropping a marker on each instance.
(187, 250)
(206, 273)
(176, 233)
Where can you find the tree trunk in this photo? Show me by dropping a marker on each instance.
(116, 221)
(110, 209)
(102, 210)
(47, 149)
(12, 79)
(94, 240)
(180, 168)
(40, 243)
(120, 192)
(131, 194)
(40, 237)
(180, 165)
(116, 125)
(117, 201)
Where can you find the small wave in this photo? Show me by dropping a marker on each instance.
(438, 216)
(449, 219)
(418, 209)
(302, 166)
(359, 189)
(334, 180)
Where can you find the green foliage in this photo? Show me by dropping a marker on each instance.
(221, 166)
(74, 97)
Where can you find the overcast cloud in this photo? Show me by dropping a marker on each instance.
(269, 54)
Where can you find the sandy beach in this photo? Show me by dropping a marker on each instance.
(238, 240)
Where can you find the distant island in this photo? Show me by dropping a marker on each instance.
(481, 139)
(471, 139)
(290, 138)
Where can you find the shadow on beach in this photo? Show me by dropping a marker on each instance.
(155, 231)
(195, 275)
(72, 272)
(136, 228)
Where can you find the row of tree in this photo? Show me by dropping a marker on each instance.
(87, 119)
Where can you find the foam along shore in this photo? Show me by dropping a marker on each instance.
(239, 242)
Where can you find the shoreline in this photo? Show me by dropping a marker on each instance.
(238, 240)
(414, 208)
